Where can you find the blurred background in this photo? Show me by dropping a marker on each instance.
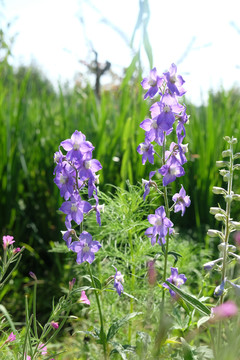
(67, 65)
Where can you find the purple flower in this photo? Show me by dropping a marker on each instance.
(174, 81)
(118, 282)
(180, 129)
(147, 151)
(89, 168)
(65, 181)
(176, 280)
(75, 209)
(171, 170)
(68, 235)
(165, 111)
(147, 184)
(161, 226)
(178, 152)
(98, 208)
(76, 146)
(152, 84)
(182, 201)
(153, 131)
(220, 288)
(71, 283)
(7, 240)
(85, 248)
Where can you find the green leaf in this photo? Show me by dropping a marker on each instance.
(198, 305)
(97, 282)
(119, 323)
(187, 350)
(202, 321)
(8, 317)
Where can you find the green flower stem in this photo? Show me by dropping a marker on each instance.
(167, 210)
(226, 238)
(133, 271)
(102, 333)
(35, 309)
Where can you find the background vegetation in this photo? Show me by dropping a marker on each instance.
(35, 118)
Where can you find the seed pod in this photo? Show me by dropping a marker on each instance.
(236, 197)
(223, 172)
(235, 225)
(236, 167)
(226, 138)
(236, 156)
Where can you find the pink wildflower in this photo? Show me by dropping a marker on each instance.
(84, 299)
(54, 324)
(152, 274)
(7, 240)
(236, 236)
(11, 337)
(225, 310)
(43, 349)
(16, 250)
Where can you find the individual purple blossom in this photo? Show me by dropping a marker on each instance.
(152, 84)
(180, 129)
(118, 281)
(75, 208)
(98, 208)
(161, 226)
(175, 279)
(177, 151)
(153, 131)
(68, 235)
(182, 201)
(85, 248)
(147, 151)
(76, 146)
(84, 299)
(89, 168)
(165, 111)
(171, 170)
(174, 81)
(59, 160)
(65, 181)
(7, 240)
(225, 310)
(147, 184)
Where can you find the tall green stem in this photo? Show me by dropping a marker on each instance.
(133, 269)
(167, 237)
(102, 333)
(226, 235)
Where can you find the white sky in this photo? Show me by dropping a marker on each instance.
(51, 34)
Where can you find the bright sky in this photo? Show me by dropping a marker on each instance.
(56, 35)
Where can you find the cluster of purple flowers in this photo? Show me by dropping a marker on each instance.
(164, 114)
(74, 171)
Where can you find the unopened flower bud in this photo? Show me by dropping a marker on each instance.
(210, 265)
(223, 172)
(216, 210)
(234, 140)
(16, 250)
(236, 197)
(222, 163)
(228, 199)
(226, 153)
(220, 217)
(236, 167)
(236, 156)
(219, 289)
(214, 233)
(222, 246)
(218, 190)
(71, 283)
(226, 138)
(235, 225)
(33, 276)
